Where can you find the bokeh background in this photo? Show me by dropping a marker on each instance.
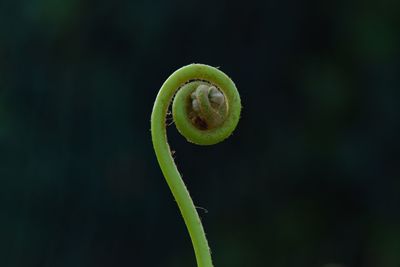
(309, 178)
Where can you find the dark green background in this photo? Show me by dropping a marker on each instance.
(309, 178)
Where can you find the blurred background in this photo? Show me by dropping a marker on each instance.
(309, 178)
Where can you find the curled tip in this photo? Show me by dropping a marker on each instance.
(206, 109)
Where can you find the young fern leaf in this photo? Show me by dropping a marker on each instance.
(206, 110)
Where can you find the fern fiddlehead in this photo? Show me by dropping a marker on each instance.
(206, 110)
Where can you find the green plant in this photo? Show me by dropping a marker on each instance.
(206, 109)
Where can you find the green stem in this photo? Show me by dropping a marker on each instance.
(191, 125)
